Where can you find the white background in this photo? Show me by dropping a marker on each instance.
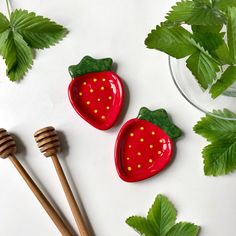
(117, 29)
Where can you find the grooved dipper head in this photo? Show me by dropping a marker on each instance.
(7, 144)
(48, 141)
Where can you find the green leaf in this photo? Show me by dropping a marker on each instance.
(205, 2)
(220, 157)
(231, 32)
(175, 41)
(17, 55)
(90, 65)
(3, 38)
(225, 113)
(162, 215)
(4, 23)
(39, 32)
(202, 29)
(160, 118)
(209, 41)
(215, 44)
(224, 4)
(206, 15)
(196, 13)
(216, 129)
(222, 54)
(226, 80)
(141, 225)
(184, 229)
(181, 12)
(203, 68)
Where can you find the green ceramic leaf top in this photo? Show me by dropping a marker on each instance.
(90, 65)
(160, 118)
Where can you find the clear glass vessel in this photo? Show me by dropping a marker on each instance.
(195, 95)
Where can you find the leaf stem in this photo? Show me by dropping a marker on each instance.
(212, 3)
(8, 8)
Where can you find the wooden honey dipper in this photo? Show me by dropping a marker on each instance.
(8, 150)
(49, 144)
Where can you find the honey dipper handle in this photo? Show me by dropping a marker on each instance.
(70, 198)
(42, 199)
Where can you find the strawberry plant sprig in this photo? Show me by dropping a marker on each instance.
(160, 221)
(206, 47)
(20, 34)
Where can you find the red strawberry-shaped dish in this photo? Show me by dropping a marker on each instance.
(95, 92)
(144, 145)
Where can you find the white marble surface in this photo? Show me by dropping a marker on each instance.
(117, 29)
